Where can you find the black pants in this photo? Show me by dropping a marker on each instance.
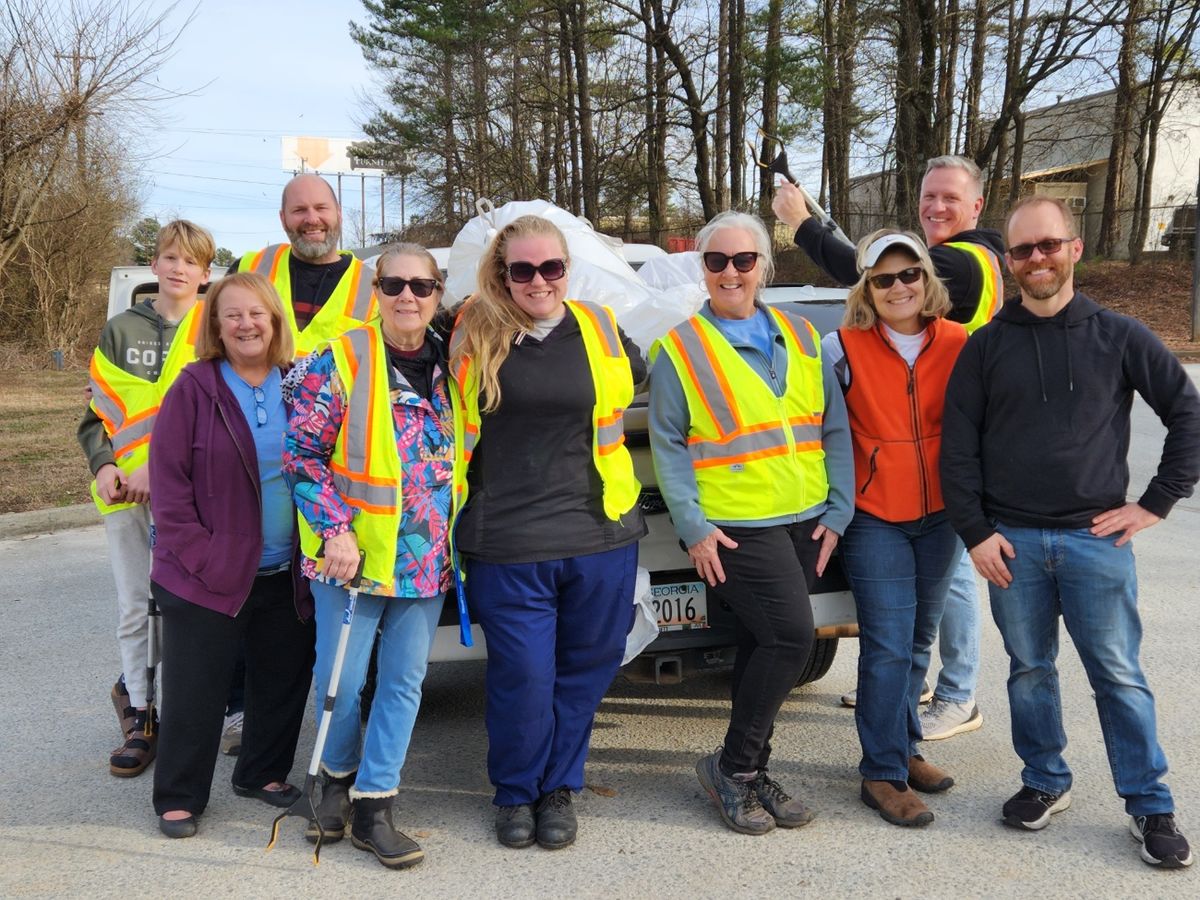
(200, 650)
(767, 580)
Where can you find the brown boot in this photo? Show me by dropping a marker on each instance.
(897, 807)
(926, 777)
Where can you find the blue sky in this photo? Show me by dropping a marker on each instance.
(256, 70)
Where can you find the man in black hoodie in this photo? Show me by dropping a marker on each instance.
(967, 260)
(1034, 472)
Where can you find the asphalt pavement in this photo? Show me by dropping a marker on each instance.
(68, 828)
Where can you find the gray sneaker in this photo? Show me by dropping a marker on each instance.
(786, 810)
(850, 698)
(944, 719)
(734, 797)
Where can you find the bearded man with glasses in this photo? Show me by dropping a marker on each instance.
(1034, 473)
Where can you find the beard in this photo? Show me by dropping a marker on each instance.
(1045, 289)
(307, 250)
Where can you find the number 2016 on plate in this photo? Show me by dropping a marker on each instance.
(680, 605)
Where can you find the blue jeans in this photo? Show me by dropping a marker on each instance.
(899, 572)
(958, 637)
(408, 626)
(1092, 584)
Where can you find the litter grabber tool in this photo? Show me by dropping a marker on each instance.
(152, 652)
(305, 807)
(779, 166)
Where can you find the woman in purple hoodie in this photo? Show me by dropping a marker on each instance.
(223, 569)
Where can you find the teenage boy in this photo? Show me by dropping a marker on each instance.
(141, 351)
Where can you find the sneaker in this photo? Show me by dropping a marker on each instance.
(850, 698)
(787, 811)
(1030, 808)
(736, 801)
(231, 736)
(1162, 843)
(944, 719)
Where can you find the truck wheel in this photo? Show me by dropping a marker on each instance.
(819, 661)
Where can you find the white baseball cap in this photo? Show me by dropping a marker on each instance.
(879, 246)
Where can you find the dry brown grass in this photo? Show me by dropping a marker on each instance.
(41, 464)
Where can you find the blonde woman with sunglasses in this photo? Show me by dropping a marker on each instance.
(752, 454)
(546, 522)
(369, 454)
(893, 356)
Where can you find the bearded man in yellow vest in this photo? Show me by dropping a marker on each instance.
(141, 351)
(325, 291)
(967, 259)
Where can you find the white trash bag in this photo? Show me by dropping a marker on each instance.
(645, 621)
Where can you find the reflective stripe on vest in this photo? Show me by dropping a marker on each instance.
(992, 293)
(365, 462)
(351, 304)
(128, 405)
(755, 455)
(612, 380)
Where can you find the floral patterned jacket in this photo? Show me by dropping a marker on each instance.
(425, 442)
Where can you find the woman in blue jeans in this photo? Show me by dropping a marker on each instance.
(893, 357)
(370, 454)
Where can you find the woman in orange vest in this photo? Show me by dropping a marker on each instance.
(893, 356)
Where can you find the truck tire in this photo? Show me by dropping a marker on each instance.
(819, 660)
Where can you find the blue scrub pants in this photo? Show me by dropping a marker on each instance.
(555, 635)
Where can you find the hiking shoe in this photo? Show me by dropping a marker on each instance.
(140, 747)
(944, 719)
(231, 736)
(1030, 808)
(900, 807)
(736, 801)
(333, 812)
(850, 698)
(515, 825)
(1162, 843)
(556, 822)
(372, 830)
(926, 777)
(787, 811)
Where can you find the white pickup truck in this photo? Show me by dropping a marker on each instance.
(695, 630)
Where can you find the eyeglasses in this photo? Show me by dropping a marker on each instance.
(550, 270)
(911, 275)
(260, 406)
(716, 262)
(420, 287)
(1048, 247)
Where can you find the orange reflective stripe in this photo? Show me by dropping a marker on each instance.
(704, 382)
(604, 329)
(719, 373)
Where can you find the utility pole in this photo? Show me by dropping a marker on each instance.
(382, 207)
(1196, 267)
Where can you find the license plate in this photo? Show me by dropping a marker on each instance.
(680, 605)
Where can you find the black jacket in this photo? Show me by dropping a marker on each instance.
(1036, 426)
(958, 269)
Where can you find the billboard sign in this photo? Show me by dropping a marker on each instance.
(326, 156)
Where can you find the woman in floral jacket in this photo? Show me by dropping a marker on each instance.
(369, 455)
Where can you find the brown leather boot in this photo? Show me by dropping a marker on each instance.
(897, 807)
(926, 777)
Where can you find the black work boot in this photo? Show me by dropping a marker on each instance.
(333, 812)
(556, 822)
(372, 829)
(514, 825)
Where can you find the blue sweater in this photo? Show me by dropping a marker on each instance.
(669, 421)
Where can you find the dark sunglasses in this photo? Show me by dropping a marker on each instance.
(420, 287)
(910, 275)
(716, 262)
(550, 270)
(1048, 247)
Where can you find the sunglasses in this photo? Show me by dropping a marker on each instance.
(420, 287)
(716, 262)
(911, 275)
(550, 270)
(1048, 247)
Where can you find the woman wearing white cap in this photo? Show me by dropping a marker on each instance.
(893, 356)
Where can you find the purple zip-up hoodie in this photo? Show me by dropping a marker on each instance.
(205, 496)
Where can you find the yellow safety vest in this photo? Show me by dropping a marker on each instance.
(755, 455)
(992, 293)
(128, 405)
(365, 462)
(612, 379)
(351, 304)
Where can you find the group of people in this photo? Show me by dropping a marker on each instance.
(312, 423)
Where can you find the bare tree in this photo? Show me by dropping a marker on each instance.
(1122, 131)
